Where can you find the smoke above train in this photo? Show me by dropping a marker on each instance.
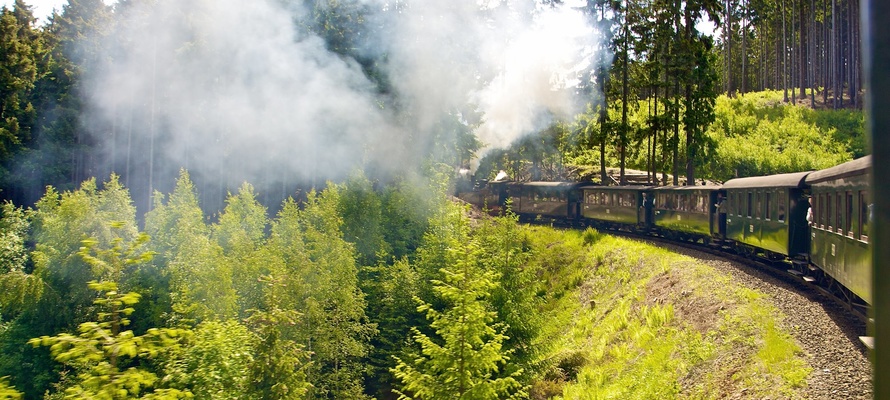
(242, 91)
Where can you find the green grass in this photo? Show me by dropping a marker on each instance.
(631, 321)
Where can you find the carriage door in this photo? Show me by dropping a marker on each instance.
(718, 205)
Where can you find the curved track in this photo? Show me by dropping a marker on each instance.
(780, 269)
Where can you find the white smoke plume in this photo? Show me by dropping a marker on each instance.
(238, 91)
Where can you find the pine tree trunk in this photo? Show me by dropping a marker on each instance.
(832, 77)
(812, 53)
(793, 70)
(622, 143)
(802, 51)
(675, 145)
(728, 34)
(690, 140)
(826, 54)
(745, 47)
(784, 56)
(852, 44)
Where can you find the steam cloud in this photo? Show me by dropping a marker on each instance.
(236, 91)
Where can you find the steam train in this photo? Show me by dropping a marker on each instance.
(814, 223)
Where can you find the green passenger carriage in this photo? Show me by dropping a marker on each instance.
(768, 213)
(544, 200)
(686, 212)
(841, 216)
(615, 207)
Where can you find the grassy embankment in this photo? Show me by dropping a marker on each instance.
(632, 321)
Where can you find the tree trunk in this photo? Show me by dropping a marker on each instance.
(622, 142)
(832, 53)
(852, 44)
(826, 51)
(744, 47)
(675, 144)
(784, 56)
(802, 50)
(812, 53)
(690, 139)
(793, 70)
(728, 34)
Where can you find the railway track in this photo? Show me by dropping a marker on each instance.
(828, 330)
(780, 269)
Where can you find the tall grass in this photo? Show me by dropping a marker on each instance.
(611, 338)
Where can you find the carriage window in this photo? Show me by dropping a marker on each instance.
(767, 212)
(750, 204)
(838, 208)
(817, 210)
(864, 215)
(828, 213)
(781, 205)
(738, 204)
(848, 222)
(758, 210)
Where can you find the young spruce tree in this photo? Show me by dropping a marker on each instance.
(467, 359)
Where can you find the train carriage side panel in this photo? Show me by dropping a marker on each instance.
(718, 204)
(684, 210)
(841, 210)
(761, 213)
(542, 199)
(613, 204)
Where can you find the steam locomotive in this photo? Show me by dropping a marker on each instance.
(816, 223)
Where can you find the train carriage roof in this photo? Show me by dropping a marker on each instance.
(688, 188)
(792, 180)
(613, 188)
(858, 166)
(539, 185)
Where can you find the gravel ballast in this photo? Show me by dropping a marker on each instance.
(827, 333)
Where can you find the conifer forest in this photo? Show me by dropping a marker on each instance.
(253, 199)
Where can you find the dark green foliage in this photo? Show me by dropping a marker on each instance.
(101, 352)
(407, 208)
(466, 358)
(18, 72)
(362, 213)
(503, 250)
(391, 290)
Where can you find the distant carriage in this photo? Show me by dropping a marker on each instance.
(758, 216)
